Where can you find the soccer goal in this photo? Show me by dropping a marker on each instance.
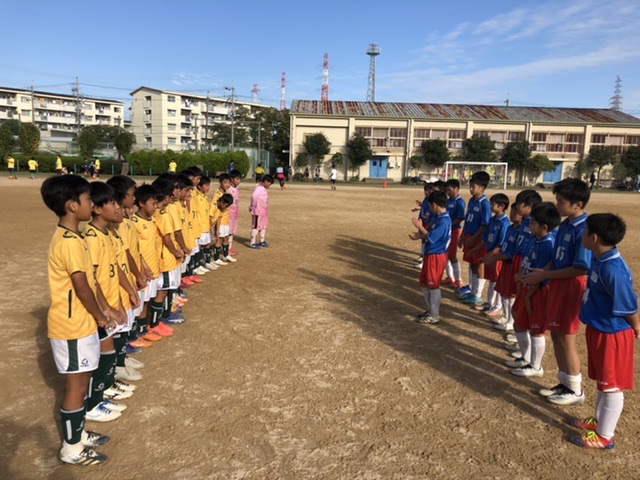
(498, 171)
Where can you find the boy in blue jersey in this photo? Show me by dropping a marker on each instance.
(436, 242)
(425, 212)
(529, 309)
(492, 240)
(456, 207)
(475, 223)
(567, 272)
(610, 312)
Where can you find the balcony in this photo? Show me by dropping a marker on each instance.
(186, 118)
(147, 118)
(6, 101)
(146, 104)
(7, 115)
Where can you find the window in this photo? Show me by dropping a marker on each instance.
(516, 136)
(598, 139)
(457, 134)
(574, 138)
(171, 127)
(171, 113)
(25, 99)
(422, 133)
(397, 137)
(481, 133)
(439, 134)
(26, 113)
(171, 99)
(171, 140)
(539, 137)
(364, 131)
(116, 109)
(633, 140)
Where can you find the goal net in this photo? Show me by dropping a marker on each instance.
(498, 171)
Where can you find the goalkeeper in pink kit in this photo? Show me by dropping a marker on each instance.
(259, 209)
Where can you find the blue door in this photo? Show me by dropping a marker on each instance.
(378, 167)
(554, 175)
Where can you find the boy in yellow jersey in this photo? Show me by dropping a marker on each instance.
(58, 165)
(170, 257)
(146, 199)
(75, 314)
(106, 270)
(184, 236)
(11, 166)
(221, 250)
(218, 257)
(33, 167)
(199, 210)
(205, 222)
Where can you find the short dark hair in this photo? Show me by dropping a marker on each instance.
(121, 183)
(428, 186)
(500, 199)
(226, 198)
(573, 190)
(204, 180)
(480, 178)
(439, 198)
(101, 193)
(164, 187)
(235, 174)
(453, 183)
(267, 178)
(57, 191)
(528, 197)
(183, 181)
(546, 213)
(439, 185)
(609, 228)
(144, 193)
(224, 176)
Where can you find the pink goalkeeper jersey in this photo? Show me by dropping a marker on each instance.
(260, 202)
(234, 208)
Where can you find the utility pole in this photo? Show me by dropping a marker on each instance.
(232, 114)
(33, 103)
(195, 128)
(76, 89)
(206, 124)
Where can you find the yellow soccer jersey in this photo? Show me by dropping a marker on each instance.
(58, 163)
(131, 235)
(214, 214)
(165, 226)
(103, 257)
(188, 230)
(67, 318)
(120, 247)
(201, 204)
(33, 165)
(148, 242)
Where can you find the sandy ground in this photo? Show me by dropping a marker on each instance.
(302, 360)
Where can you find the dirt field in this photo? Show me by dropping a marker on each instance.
(301, 361)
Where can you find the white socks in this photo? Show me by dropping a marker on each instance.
(449, 270)
(457, 272)
(435, 295)
(480, 283)
(524, 342)
(612, 403)
(538, 345)
(427, 298)
(574, 382)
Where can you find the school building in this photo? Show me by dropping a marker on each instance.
(396, 131)
(164, 119)
(58, 116)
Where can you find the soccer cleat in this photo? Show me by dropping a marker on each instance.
(512, 347)
(88, 456)
(184, 285)
(195, 279)
(116, 407)
(472, 300)
(264, 244)
(114, 392)
(127, 387)
(128, 374)
(418, 266)
(465, 296)
(220, 262)
(230, 259)
(162, 330)
(516, 354)
(528, 371)
(494, 312)
(504, 327)
(458, 284)
(428, 318)
(500, 320)
(511, 338)
(447, 281)
(133, 363)
(100, 413)
(516, 363)
(567, 397)
(482, 307)
(182, 294)
(212, 266)
(93, 439)
(589, 423)
(173, 319)
(423, 314)
(201, 271)
(186, 281)
(547, 392)
(151, 337)
(592, 440)
(255, 246)
(464, 290)
(131, 350)
(232, 252)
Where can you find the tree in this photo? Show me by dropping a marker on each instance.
(599, 158)
(87, 141)
(538, 164)
(29, 138)
(337, 158)
(124, 143)
(274, 132)
(302, 160)
(14, 126)
(6, 140)
(435, 152)
(631, 160)
(358, 151)
(517, 155)
(416, 162)
(317, 146)
(479, 149)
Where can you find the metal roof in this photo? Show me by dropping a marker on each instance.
(434, 111)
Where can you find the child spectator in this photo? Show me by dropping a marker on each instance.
(567, 272)
(333, 177)
(456, 207)
(530, 307)
(610, 312)
(475, 223)
(435, 255)
(234, 208)
(259, 209)
(259, 173)
(33, 167)
(74, 315)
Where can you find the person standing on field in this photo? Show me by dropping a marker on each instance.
(334, 176)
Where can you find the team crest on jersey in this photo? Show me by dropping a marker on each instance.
(90, 233)
(68, 235)
(567, 237)
(593, 277)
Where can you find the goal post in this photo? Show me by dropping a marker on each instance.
(498, 171)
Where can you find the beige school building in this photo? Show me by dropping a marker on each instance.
(396, 131)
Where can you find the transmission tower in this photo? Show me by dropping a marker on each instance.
(255, 92)
(373, 51)
(325, 79)
(283, 92)
(615, 102)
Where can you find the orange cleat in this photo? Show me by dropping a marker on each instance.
(151, 337)
(140, 343)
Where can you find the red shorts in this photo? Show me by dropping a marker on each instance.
(492, 272)
(454, 243)
(505, 285)
(564, 303)
(611, 359)
(477, 257)
(536, 322)
(433, 266)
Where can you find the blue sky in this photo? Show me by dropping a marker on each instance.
(563, 53)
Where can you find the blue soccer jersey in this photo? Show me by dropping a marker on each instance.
(538, 253)
(569, 249)
(478, 215)
(508, 247)
(439, 236)
(523, 237)
(495, 233)
(609, 296)
(455, 208)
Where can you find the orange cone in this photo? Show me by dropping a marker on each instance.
(384, 185)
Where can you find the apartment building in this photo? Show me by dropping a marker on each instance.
(58, 115)
(163, 119)
(396, 131)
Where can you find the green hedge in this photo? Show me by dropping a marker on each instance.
(155, 162)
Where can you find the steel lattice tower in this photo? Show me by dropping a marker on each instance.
(255, 92)
(283, 92)
(615, 102)
(325, 79)
(373, 51)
